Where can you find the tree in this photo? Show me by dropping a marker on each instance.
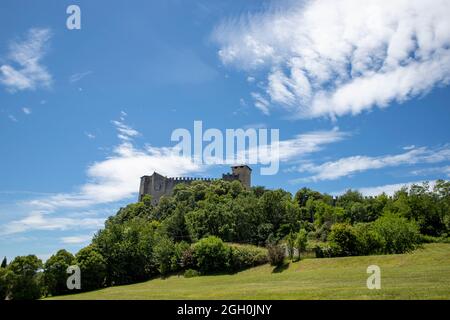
(163, 254)
(55, 272)
(275, 254)
(25, 284)
(128, 250)
(5, 283)
(290, 242)
(92, 266)
(301, 241)
(4, 263)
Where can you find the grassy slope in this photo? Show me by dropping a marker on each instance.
(423, 274)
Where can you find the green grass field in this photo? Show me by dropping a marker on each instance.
(422, 274)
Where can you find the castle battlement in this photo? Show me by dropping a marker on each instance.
(158, 185)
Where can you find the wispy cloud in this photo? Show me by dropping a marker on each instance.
(444, 170)
(90, 135)
(348, 166)
(336, 57)
(27, 54)
(40, 220)
(27, 111)
(78, 76)
(77, 239)
(12, 118)
(388, 189)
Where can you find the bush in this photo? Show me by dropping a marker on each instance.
(191, 273)
(368, 241)
(275, 254)
(343, 237)
(246, 256)
(212, 255)
(326, 250)
(399, 235)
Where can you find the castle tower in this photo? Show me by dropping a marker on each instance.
(244, 174)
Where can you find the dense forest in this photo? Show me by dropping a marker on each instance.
(223, 227)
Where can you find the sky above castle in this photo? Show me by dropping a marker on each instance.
(358, 91)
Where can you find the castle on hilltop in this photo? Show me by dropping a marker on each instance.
(157, 185)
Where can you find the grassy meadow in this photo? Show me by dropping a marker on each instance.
(422, 274)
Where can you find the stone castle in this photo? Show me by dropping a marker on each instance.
(157, 185)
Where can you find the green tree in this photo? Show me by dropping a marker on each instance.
(92, 267)
(163, 253)
(290, 243)
(4, 263)
(25, 282)
(301, 241)
(6, 276)
(55, 275)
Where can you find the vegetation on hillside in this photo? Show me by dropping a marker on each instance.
(192, 232)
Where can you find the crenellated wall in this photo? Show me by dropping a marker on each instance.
(157, 185)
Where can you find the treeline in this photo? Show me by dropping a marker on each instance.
(223, 227)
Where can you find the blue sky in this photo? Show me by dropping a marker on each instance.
(360, 98)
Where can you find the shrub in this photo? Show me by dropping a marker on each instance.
(368, 241)
(211, 255)
(326, 250)
(343, 237)
(399, 235)
(191, 273)
(275, 254)
(246, 256)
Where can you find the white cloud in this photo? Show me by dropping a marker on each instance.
(27, 111)
(125, 133)
(296, 148)
(336, 57)
(89, 135)
(12, 118)
(388, 189)
(445, 170)
(261, 103)
(39, 220)
(343, 167)
(78, 76)
(77, 239)
(27, 55)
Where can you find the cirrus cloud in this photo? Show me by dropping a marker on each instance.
(337, 57)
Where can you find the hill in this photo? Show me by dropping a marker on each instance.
(422, 274)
